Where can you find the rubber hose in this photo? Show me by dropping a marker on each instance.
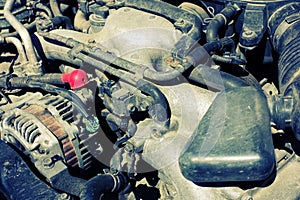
(201, 54)
(220, 20)
(46, 78)
(215, 79)
(101, 184)
(58, 20)
(20, 82)
(284, 33)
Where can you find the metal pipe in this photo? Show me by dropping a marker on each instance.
(55, 8)
(17, 43)
(80, 22)
(22, 31)
(29, 27)
(110, 60)
(44, 8)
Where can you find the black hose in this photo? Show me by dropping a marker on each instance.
(289, 83)
(58, 20)
(22, 31)
(228, 60)
(284, 30)
(159, 99)
(219, 45)
(215, 79)
(220, 20)
(201, 54)
(24, 82)
(101, 184)
(58, 16)
(46, 78)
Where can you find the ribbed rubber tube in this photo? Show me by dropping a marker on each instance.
(289, 64)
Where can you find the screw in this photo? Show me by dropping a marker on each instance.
(179, 22)
(47, 162)
(131, 107)
(248, 34)
(91, 41)
(247, 198)
(64, 196)
(129, 147)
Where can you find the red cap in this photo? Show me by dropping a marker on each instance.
(77, 78)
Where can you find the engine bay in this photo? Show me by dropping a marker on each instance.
(149, 99)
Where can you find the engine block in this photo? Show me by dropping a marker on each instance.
(133, 99)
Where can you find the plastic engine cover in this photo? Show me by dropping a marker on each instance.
(233, 141)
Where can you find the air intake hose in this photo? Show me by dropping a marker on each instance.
(284, 30)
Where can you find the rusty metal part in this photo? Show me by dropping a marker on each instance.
(55, 127)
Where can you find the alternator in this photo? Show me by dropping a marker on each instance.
(44, 127)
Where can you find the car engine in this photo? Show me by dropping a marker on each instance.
(149, 99)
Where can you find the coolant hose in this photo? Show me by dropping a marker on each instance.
(215, 79)
(160, 107)
(59, 16)
(58, 20)
(201, 54)
(101, 184)
(220, 20)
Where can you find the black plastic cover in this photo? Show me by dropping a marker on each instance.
(233, 141)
